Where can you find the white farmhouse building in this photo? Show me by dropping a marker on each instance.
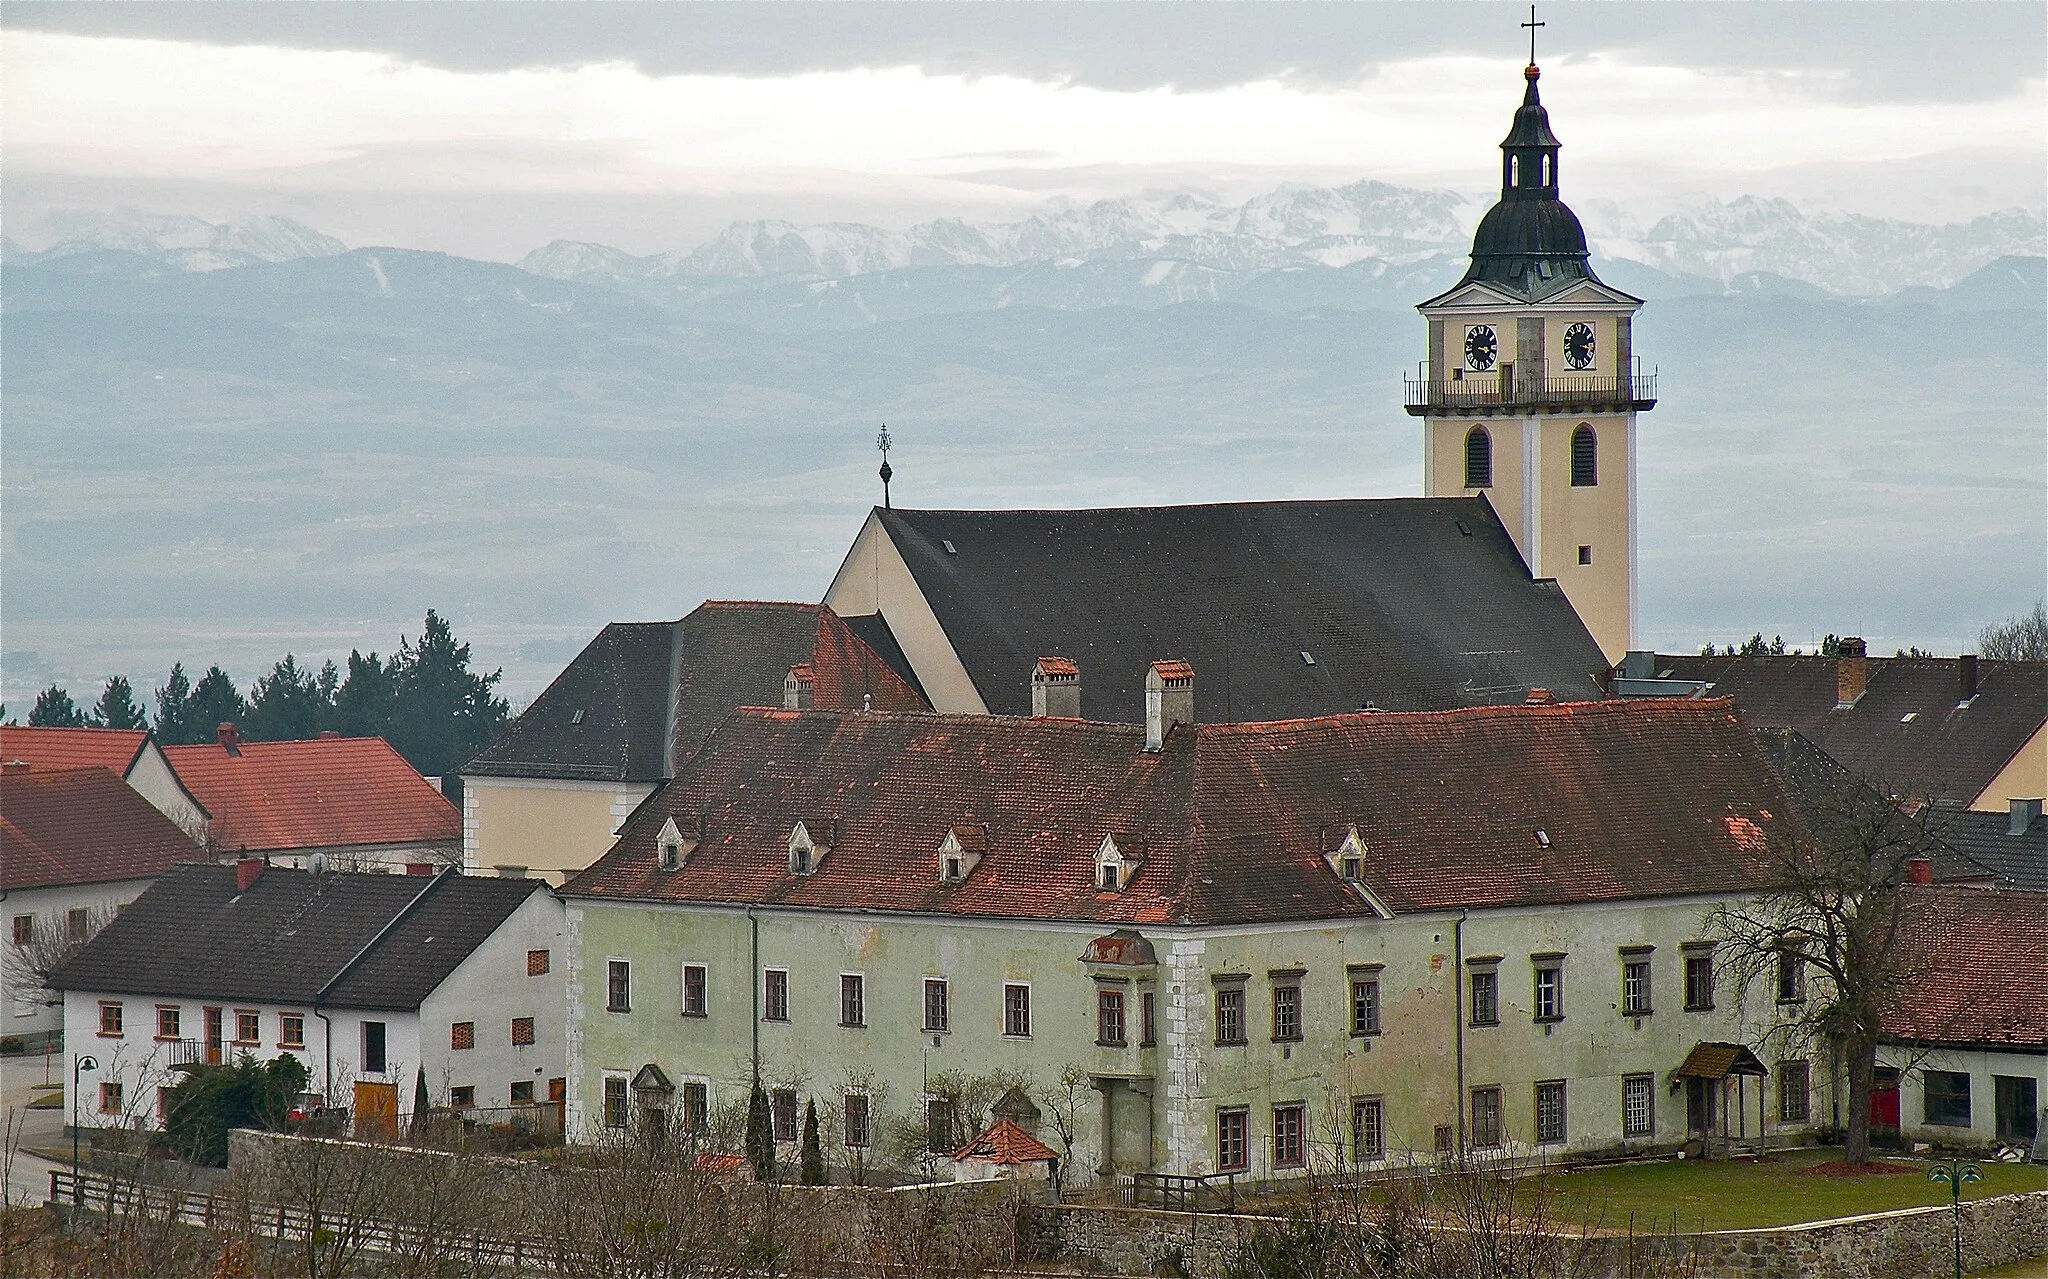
(372, 980)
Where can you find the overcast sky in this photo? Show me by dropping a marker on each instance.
(490, 129)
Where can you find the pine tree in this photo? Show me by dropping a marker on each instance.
(285, 705)
(214, 701)
(55, 709)
(366, 701)
(173, 708)
(445, 712)
(117, 708)
(760, 1135)
(812, 1156)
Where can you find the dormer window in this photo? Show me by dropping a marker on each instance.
(1113, 870)
(805, 853)
(960, 852)
(672, 848)
(1347, 857)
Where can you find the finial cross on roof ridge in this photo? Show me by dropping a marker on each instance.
(1532, 24)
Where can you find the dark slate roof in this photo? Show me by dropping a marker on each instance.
(1944, 751)
(650, 692)
(605, 717)
(1407, 603)
(1987, 839)
(289, 937)
(873, 630)
(1228, 822)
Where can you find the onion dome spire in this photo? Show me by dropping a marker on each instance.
(1529, 243)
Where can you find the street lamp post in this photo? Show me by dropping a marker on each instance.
(83, 1062)
(1956, 1174)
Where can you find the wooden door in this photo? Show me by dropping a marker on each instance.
(216, 1037)
(376, 1117)
(1884, 1105)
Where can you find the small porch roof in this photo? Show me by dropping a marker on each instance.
(1711, 1060)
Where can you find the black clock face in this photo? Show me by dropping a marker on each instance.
(1481, 348)
(1578, 345)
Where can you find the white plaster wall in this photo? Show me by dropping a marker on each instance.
(27, 1008)
(1981, 1066)
(490, 988)
(152, 777)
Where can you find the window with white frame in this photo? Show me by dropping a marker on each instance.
(1290, 1135)
(1017, 1011)
(853, 1000)
(1486, 1116)
(1794, 1091)
(1365, 1002)
(1549, 989)
(937, 1005)
(775, 994)
(1550, 1110)
(696, 991)
(1635, 984)
(1638, 1097)
(618, 986)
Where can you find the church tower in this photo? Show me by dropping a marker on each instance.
(1530, 389)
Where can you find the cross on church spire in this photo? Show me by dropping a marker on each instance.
(1532, 24)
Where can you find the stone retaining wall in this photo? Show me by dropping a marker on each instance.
(1894, 1245)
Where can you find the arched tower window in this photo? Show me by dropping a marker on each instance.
(1478, 459)
(1514, 170)
(1546, 170)
(1585, 457)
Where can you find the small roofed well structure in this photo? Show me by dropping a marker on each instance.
(1004, 1152)
(1704, 1076)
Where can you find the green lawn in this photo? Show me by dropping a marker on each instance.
(1732, 1196)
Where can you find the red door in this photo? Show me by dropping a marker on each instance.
(1884, 1103)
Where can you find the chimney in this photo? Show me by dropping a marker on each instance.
(1966, 678)
(329, 735)
(1169, 700)
(2020, 814)
(1539, 697)
(796, 688)
(230, 740)
(1055, 689)
(1639, 663)
(1920, 870)
(1849, 673)
(247, 871)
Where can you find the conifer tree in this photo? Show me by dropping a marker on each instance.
(445, 711)
(55, 709)
(173, 708)
(285, 705)
(116, 707)
(365, 702)
(812, 1157)
(215, 701)
(760, 1135)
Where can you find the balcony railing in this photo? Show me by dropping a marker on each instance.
(1485, 394)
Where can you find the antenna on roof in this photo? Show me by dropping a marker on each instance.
(882, 442)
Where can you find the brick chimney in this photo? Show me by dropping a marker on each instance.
(1849, 673)
(1169, 700)
(1539, 697)
(247, 871)
(230, 740)
(796, 688)
(1920, 870)
(329, 735)
(1055, 689)
(1966, 678)
(2019, 814)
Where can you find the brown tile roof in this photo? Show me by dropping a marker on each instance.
(82, 826)
(1987, 955)
(1710, 1060)
(325, 793)
(1226, 824)
(1907, 730)
(113, 749)
(1005, 1143)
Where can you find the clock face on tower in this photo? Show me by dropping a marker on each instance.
(1481, 348)
(1578, 345)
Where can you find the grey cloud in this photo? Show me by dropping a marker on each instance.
(1891, 51)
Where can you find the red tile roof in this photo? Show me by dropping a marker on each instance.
(1059, 666)
(1173, 670)
(1986, 976)
(82, 826)
(1006, 1143)
(326, 793)
(1226, 824)
(113, 749)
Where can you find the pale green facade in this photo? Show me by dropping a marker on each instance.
(1154, 1106)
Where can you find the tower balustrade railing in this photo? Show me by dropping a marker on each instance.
(1635, 390)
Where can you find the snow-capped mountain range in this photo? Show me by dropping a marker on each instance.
(1186, 244)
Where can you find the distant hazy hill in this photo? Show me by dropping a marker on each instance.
(184, 243)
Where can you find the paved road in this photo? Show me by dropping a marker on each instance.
(28, 1177)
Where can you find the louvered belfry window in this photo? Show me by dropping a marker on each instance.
(1585, 458)
(1478, 459)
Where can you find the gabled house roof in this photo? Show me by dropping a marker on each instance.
(1493, 806)
(1404, 603)
(1004, 1142)
(1986, 957)
(114, 749)
(294, 936)
(643, 695)
(1909, 729)
(327, 792)
(82, 826)
(1988, 839)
